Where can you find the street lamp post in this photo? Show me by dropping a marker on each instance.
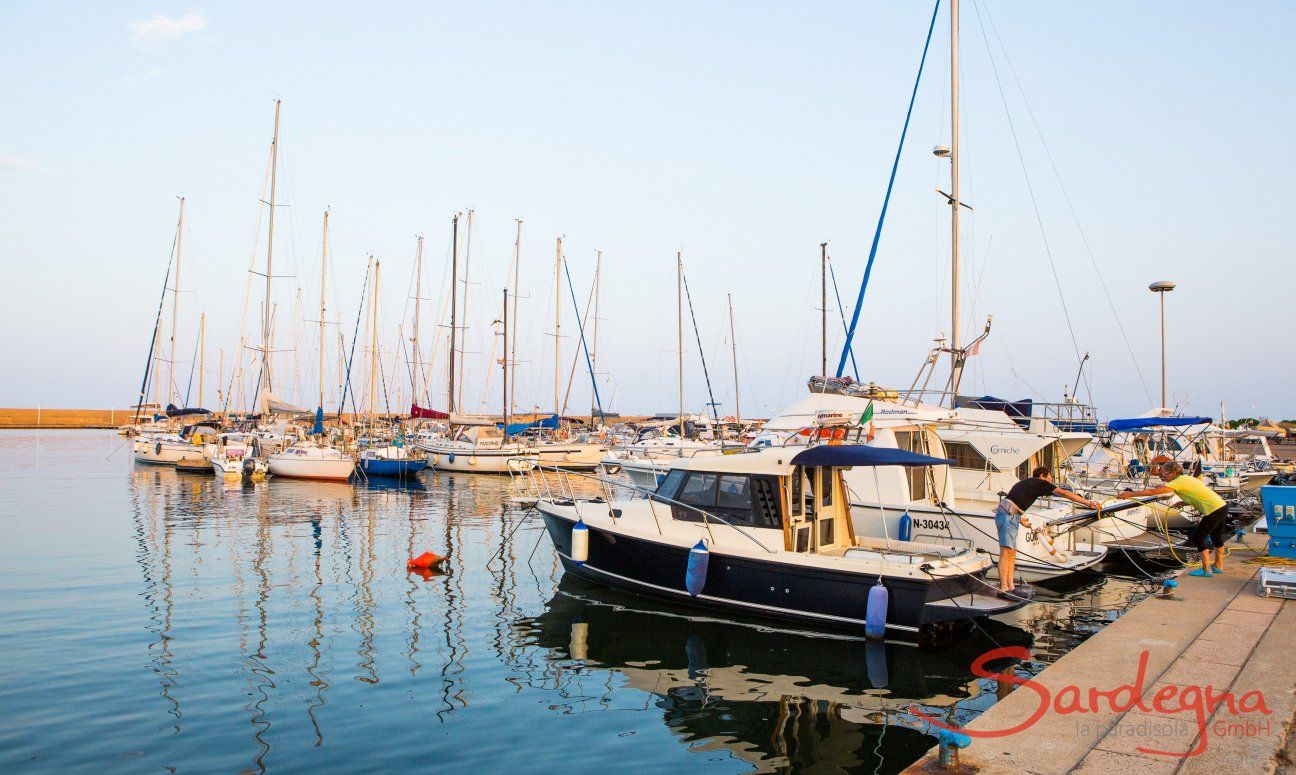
(1161, 288)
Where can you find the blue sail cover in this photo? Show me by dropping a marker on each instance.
(844, 455)
(548, 423)
(318, 430)
(1136, 423)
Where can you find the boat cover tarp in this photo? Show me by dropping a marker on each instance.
(318, 428)
(1020, 411)
(548, 423)
(1135, 423)
(422, 413)
(845, 455)
(175, 411)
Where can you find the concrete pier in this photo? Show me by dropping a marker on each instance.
(1218, 633)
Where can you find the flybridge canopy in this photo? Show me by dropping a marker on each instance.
(852, 455)
(1137, 423)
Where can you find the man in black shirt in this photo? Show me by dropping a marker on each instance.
(1008, 516)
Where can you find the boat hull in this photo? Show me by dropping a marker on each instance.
(391, 468)
(160, 453)
(480, 461)
(760, 588)
(327, 470)
(578, 457)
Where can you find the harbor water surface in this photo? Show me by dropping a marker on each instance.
(159, 621)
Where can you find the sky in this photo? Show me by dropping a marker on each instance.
(1105, 145)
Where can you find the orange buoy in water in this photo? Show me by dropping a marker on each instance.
(425, 561)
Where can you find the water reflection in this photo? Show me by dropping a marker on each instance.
(250, 627)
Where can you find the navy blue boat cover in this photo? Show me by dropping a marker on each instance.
(1135, 423)
(845, 455)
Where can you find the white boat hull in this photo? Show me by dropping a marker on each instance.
(583, 457)
(162, 453)
(1038, 557)
(323, 469)
(479, 461)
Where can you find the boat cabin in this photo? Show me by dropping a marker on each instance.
(799, 491)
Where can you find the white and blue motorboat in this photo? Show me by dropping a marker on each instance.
(768, 533)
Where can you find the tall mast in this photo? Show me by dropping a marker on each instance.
(454, 295)
(823, 304)
(679, 308)
(323, 292)
(504, 362)
(733, 344)
(593, 355)
(265, 323)
(955, 356)
(175, 301)
(373, 349)
(512, 345)
(418, 293)
(463, 336)
(202, 353)
(558, 263)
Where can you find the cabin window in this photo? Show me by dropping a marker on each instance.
(826, 485)
(965, 455)
(737, 499)
(798, 494)
(735, 493)
(699, 490)
(670, 484)
(914, 441)
(826, 531)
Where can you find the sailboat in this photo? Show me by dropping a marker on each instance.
(162, 446)
(473, 445)
(555, 445)
(394, 459)
(311, 459)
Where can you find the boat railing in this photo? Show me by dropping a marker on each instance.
(553, 483)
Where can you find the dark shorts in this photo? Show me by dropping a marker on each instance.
(1212, 527)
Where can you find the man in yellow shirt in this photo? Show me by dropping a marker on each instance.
(1209, 532)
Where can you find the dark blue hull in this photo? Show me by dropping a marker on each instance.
(760, 588)
(391, 468)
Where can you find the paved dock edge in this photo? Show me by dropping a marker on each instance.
(1218, 633)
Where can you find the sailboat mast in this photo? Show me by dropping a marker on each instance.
(373, 348)
(733, 344)
(418, 293)
(512, 344)
(323, 292)
(593, 355)
(454, 295)
(202, 353)
(269, 273)
(504, 362)
(955, 357)
(823, 307)
(463, 336)
(175, 301)
(558, 260)
(679, 308)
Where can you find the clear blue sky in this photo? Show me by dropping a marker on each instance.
(743, 133)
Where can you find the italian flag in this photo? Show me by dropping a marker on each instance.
(866, 419)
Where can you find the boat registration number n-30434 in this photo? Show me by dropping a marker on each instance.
(930, 524)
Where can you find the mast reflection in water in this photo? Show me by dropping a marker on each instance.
(162, 620)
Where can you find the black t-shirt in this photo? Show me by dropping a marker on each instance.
(1026, 491)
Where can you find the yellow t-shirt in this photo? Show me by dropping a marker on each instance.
(1195, 493)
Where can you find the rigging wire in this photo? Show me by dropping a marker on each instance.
(1066, 196)
(701, 354)
(1030, 188)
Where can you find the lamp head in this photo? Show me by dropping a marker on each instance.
(1161, 286)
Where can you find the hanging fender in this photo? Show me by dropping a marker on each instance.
(695, 573)
(579, 542)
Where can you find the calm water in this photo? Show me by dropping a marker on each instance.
(157, 621)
